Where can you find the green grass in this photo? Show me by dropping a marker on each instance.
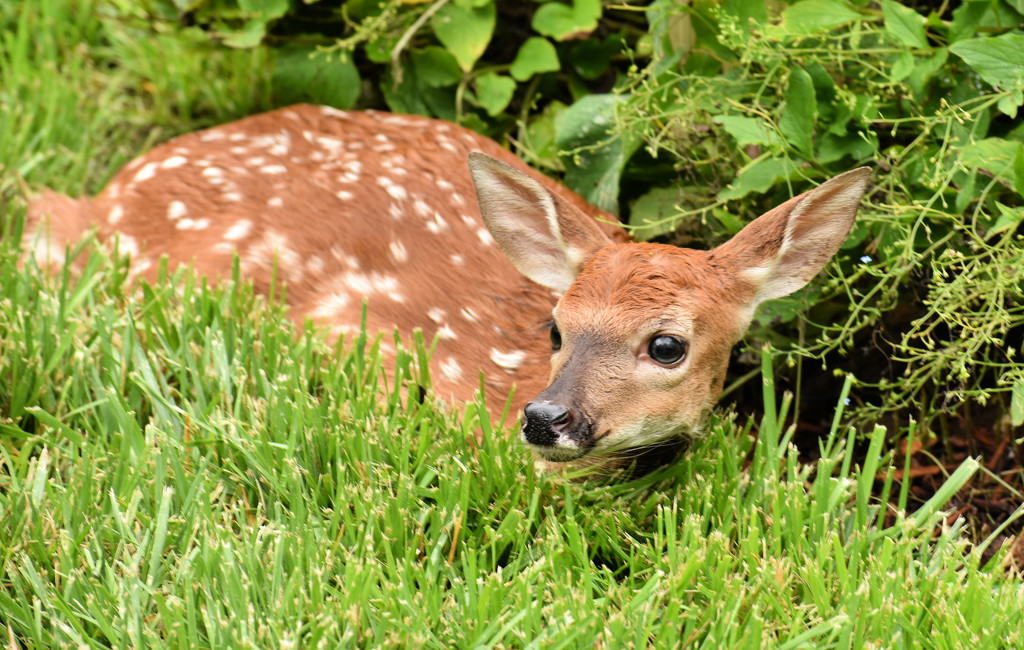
(179, 467)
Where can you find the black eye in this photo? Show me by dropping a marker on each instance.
(556, 338)
(666, 349)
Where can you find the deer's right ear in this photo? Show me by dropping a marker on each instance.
(545, 238)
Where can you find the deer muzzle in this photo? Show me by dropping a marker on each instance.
(556, 432)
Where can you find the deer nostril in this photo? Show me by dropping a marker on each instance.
(542, 421)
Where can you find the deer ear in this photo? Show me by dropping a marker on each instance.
(780, 251)
(546, 239)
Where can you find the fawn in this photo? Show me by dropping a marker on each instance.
(613, 346)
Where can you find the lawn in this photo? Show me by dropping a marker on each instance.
(180, 467)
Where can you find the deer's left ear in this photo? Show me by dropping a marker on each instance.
(780, 251)
(545, 238)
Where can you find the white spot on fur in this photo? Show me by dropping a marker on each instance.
(256, 161)
(437, 225)
(239, 230)
(126, 244)
(508, 361)
(210, 172)
(315, 264)
(332, 112)
(147, 172)
(344, 195)
(331, 144)
(367, 284)
(332, 305)
(237, 137)
(469, 315)
(396, 191)
(174, 161)
(458, 259)
(193, 224)
(273, 169)
(445, 185)
(436, 314)
(176, 210)
(446, 333)
(232, 196)
(210, 136)
(451, 370)
(422, 208)
(457, 199)
(398, 252)
(224, 247)
(115, 214)
(485, 237)
(275, 202)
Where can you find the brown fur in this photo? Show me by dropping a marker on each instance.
(281, 172)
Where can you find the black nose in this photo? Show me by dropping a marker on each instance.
(542, 421)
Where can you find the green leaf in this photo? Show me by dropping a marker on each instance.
(1017, 404)
(595, 157)
(655, 212)
(464, 31)
(811, 16)
(758, 177)
(1008, 105)
(1018, 170)
(266, 9)
(591, 57)
(749, 130)
(901, 67)
(494, 92)
(993, 155)
(797, 121)
(302, 75)
(563, 22)
(999, 60)
(540, 136)
(535, 56)
(905, 24)
(966, 19)
(436, 67)
(1008, 219)
(249, 36)
(834, 147)
(919, 80)
(746, 11)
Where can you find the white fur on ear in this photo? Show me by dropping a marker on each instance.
(546, 239)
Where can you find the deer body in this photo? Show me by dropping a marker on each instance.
(354, 205)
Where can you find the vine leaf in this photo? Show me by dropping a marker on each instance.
(465, 31)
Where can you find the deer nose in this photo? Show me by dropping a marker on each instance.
(542, 422)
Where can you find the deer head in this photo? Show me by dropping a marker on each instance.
(641, 336)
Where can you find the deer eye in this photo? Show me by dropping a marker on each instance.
(666, 349)
(556, 338)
